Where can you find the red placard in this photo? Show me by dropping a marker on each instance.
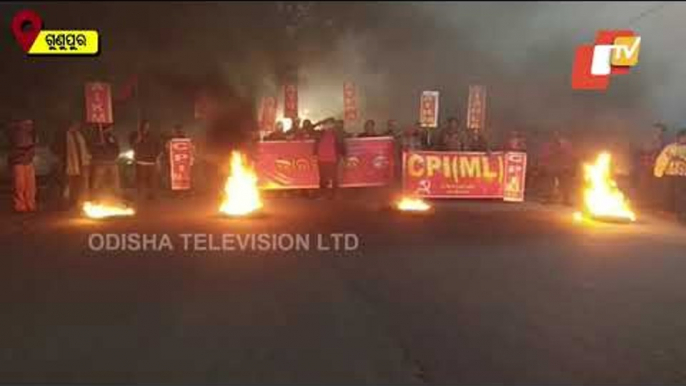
(268, 114)
(290, 108)
(515, 176)
(181, 160)
(428, 109)
(464, 174)
(476, 107)
(350, 102)
(98, 103)
(292, 165)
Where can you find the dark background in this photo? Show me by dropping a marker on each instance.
(521, 51)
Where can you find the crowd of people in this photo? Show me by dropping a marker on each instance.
(87, 162)
(88, 159)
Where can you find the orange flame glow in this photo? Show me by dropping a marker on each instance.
(602, 197)
(102, 210)
(412, 204)
(242, 196)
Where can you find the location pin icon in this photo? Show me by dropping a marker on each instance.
(26, 25)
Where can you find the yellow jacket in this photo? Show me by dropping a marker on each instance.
(671, 161)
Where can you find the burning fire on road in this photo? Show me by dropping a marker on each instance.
(602, 198)
(412, 204)
(104, 210)
(241, 194)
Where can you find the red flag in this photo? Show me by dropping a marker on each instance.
(128, 89)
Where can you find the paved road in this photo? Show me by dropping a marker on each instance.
(477, 293)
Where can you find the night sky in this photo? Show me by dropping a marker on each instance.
(522, 52)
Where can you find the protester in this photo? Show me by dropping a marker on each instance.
(450, 138)
(304, 132)
(330, 150)
(515, 142)
(651, 190)
(391, 128)
(340, 127)
(369, 129)
(672, 163)
(146, 149)
(295, 128)
(411, 139)
(425, 134)
(279, 134)
(558, 167)
(105, 171)
(22, 140)
(474, 140)
(77, 160)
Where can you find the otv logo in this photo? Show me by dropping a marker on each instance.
(613, 53)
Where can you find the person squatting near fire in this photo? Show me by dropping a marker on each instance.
(330, 149)
(147, 149)
(671, 164)
(105, 183)
(22, 140)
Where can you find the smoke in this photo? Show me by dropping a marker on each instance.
(522, 52)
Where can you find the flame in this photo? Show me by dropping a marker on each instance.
(101, 210)
(602, 198)
(241, 193)
(412, 204)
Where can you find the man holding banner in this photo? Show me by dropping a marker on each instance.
(330, 149)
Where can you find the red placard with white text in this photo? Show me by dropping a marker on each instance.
(450, 174)
(181, 161)
(98, 103)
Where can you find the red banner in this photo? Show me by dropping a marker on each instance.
(290, 108)
(181, 160)
(369, 162)
(350, 102)
(292, 165)
(287, 165)
(428, 109)
(268, 114)
(465, 174)
(476, 107)
(99, 103)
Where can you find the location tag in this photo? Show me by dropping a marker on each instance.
(26, 25)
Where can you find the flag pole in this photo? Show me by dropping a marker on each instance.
(138, 103)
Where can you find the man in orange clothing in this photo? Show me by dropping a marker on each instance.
(22, 139)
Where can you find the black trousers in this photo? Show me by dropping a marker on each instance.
(328, 175)
(146, 181)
